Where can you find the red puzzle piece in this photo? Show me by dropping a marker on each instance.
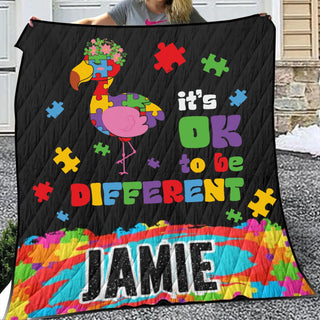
(115, 68)
(168, 55)
(102, 87)
(42, 190)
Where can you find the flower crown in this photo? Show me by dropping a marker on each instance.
(103, 49)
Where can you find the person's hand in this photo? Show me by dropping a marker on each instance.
(265, 14)
(33, 18)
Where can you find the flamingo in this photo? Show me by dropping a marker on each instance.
(124, 116)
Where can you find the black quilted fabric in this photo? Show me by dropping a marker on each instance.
(191, 245)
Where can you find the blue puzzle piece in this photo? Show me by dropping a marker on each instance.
(101, 129)
(56, 109)
(239, 98)
(101, 68)
(137, 228)
(62, 216)
(270, 290)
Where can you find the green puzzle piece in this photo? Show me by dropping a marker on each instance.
(218, 66)
(140, 102)
(23, 272)
(231, 215)
(209, 296)
(103, 149)
(269, 225)
(283, 270)
(74, 234)
(98, 57)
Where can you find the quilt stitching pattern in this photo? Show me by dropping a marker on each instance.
(156, 180)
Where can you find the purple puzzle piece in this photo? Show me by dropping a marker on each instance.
(39, 266)
(269, 255)
(152, 120)
(97, 117)
(117, 100)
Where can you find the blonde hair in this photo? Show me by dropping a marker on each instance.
(179, 11)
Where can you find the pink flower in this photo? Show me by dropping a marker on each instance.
(93, 50)
(106, 49)
(120, 50)
(116, 57)
(93, 41)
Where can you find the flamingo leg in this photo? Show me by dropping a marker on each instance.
(123, 160)
(134, 151)
(124, 156)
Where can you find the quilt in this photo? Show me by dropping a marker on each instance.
(146, 168)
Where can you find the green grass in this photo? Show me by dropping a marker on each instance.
(7, 253)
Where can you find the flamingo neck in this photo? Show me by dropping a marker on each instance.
(100, 96)
(102, 88)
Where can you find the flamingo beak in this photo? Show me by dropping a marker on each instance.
(83, 72)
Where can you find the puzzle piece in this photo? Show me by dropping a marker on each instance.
(254, 226)
(97, 58)
(101, 129)
(102, 149)
(42, 190)
(275, 238)
(104, 103)
(72, 249)
(137, 228)
(39, 266)
(152, 120)
(269, 255)
(56, 109)
(168, 55)
(23, 272)
(96, 119)
(235, 216)
(272, 289)
(153, 164)
(136, 100)
(260, 206)
(159, 224)
(115, 68)
(102, 87)
(64, 156)
(211, 63)
(74, 234)
(294, 288)
(283, 270)
(154, 108)
(101, 68)
(269, 225)
(117, 100)
(239, 98)
(62, 216)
